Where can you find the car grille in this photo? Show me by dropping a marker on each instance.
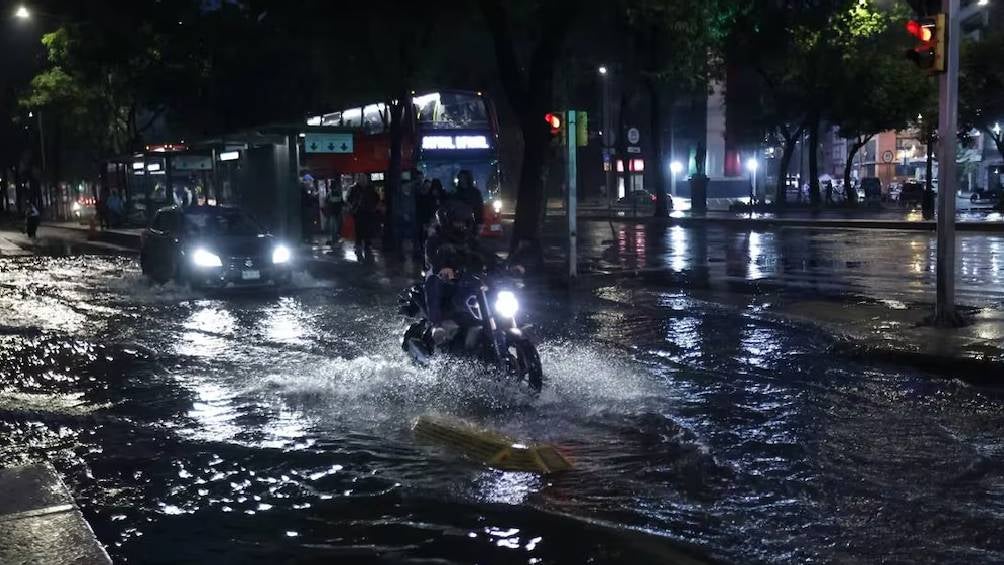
(244, 263)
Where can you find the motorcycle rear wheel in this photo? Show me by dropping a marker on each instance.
(525, 364)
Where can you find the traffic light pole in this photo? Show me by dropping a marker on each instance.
(573, 148)
(945, 315)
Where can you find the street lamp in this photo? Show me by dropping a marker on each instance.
(752, 165)
(602, 69)
(675, 168)
(22, 13)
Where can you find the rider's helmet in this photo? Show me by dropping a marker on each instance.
(456, 220)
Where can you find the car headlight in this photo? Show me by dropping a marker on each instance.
(76, 206)
(280, 254)
(497, 206)
(506, 304)
(203, 258)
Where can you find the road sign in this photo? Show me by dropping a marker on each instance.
(633, 135)
(887, 157)
(634, 149)
(328, 143)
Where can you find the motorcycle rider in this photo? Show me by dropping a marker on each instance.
(451, 248)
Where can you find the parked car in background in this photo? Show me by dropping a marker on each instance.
(213, 246)
(987, 195)
(638, 196)
(912, 192)
(871, 187)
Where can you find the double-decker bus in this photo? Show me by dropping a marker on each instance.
(447, 131)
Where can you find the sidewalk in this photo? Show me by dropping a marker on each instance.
(900, 334)
(760, 220)
(40, 523)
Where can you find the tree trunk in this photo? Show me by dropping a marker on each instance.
(529, 89)
(787, 152)
(530, 196)
(814, 195)
(850, 194)
(654, 172)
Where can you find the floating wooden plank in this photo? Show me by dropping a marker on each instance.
(492, 448)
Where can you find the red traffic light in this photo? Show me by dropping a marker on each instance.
(553, 120)
(923, 32)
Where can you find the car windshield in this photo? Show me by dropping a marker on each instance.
(221, 223)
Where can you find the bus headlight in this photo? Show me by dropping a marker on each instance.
(280, 255)
(203, 258)
(506, 304)
(497, 206)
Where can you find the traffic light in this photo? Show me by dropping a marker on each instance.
(929, 53)
(581, 129)
(556, 122)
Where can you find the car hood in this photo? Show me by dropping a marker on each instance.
(240, 246)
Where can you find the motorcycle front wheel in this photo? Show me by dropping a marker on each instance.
(525, 364)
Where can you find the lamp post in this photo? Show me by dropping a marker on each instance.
(605, 134)
(752, 165)
(675, 168)
(22, 13)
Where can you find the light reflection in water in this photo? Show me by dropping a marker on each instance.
(678, 248)
(507, 487)
(208, 328)
(754, 271)
(285, 322)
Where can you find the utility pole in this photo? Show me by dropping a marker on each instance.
(573, 267)
(945, 315)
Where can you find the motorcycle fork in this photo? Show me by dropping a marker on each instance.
(489, 326)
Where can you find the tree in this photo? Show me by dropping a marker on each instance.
(981, 86)
(895, 93)
(529, 87)
(679, 46)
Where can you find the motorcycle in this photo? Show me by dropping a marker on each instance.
(485, 310)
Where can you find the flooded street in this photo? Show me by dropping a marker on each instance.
(268, 428)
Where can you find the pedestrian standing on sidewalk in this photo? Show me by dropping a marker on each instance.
(114, 209)
(471, 196)
(363, 203)
(333, 205)
(32, 218)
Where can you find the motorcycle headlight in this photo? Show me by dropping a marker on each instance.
(203, 258)
(280, 254)
(497, 206)
(506, 304)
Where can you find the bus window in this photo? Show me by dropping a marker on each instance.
(451, 110)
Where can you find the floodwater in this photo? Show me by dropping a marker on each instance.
(276, 429)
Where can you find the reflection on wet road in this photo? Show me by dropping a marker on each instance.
(879, 264)
(275, 428)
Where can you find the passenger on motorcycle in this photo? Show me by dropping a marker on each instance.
(452, 248)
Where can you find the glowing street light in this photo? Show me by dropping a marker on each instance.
(22, 13)
(676, 167)
(602, 70)
(982, 2)
(752, 165)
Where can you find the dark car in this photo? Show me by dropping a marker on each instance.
(990, 195)
(212, 246)
(872, 187)
(638, 196)
(912, 192)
